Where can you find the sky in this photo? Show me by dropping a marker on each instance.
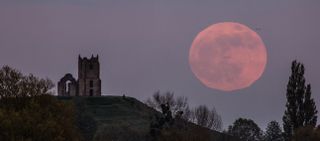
(143, 46)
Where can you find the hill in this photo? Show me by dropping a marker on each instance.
(120, 118)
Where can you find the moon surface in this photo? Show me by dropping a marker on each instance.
(227, 56)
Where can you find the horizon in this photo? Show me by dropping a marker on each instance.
(144, 47)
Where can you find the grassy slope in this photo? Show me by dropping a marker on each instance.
(128, 119)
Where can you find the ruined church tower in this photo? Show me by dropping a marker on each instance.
(89, 82)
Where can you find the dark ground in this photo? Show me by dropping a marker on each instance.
(127, 119)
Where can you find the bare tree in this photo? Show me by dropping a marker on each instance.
(177, 105)
(204, 117)
(16, 87)
(14, 84)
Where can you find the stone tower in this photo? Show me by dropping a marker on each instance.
(89, 82)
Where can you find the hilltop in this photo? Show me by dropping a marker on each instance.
(127, 119)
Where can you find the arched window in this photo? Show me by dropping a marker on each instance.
(67, 86)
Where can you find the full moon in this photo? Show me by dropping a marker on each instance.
(228, 56)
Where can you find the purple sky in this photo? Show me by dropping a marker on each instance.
(144, 46)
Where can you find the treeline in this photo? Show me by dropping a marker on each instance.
(248, 130)
(178, 107)
(299, 120)
(178, 121)
(28, 112)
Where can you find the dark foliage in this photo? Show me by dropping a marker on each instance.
(300, 107)
(28, 113)
(163, 121)
(176, 104)
(179, 108)
(273, 132)
(307, 133)
(245, 129)
(42, 118)
(15, 87)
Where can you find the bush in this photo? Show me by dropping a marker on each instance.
(29, 113)
(42, 118)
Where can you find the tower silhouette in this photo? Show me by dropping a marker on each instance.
(89, 83)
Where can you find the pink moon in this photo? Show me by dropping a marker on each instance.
(228, 56)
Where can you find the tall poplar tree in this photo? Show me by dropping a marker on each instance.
(300, 107)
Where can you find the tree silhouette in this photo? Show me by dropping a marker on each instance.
(204, 117)
(28, 112)
(176, 104)
(15, 87)
(245, 129)
(310, 110)
(300, 107)
(178, 108)
(273, 132)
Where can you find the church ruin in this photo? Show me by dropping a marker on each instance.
(88, 83)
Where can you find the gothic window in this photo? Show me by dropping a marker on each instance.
(91, 66)
(91, 83)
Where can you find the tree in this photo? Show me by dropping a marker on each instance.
(178, 108)
(300, 107)
(310, 110)
(204, 117)
(44, 118)
(177, 105)
(245, 129)
(16, 87)
(273, 132)
(28, 112)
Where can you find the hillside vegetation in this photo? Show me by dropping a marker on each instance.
(116, 118)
